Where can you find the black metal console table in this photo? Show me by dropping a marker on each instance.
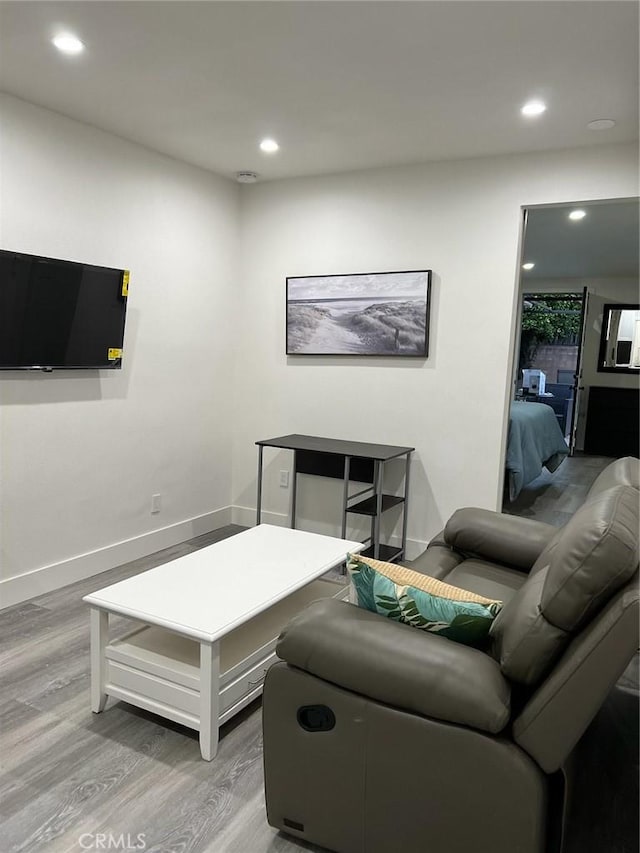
(356, 461)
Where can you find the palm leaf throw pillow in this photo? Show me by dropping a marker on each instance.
(422, 601)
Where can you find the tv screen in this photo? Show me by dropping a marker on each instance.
(60, 314)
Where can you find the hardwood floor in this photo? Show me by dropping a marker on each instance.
(553, 498)
(603, 806)
(65, 771)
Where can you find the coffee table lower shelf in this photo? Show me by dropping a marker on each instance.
(162, 671)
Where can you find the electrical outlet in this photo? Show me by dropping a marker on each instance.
(156, 504)
(284, 479)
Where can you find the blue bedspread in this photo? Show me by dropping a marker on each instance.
(535, 441)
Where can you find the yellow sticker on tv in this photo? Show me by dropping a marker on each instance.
(125, 283)
(114, 354)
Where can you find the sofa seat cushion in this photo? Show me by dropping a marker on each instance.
(421, 601)
(486, 579)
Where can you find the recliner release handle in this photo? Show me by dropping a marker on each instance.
(316, 718)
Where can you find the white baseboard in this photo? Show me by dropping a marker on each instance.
(246, 516)
(46, 579)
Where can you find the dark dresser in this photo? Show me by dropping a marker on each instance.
(612, 422)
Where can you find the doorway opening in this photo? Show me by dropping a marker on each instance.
(575, 273)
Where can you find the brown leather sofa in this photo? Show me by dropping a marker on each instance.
(379, 737)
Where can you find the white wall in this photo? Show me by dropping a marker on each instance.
(461, 219)
(82, 452)
(600, 292)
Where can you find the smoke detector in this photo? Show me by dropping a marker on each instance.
(601, 124)
(246, 177)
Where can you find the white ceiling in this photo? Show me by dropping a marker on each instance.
(605, 244)
(341, 85)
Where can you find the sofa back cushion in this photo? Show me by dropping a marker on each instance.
(525, 643)
(596, 555)
(622, 472)
(585, 564)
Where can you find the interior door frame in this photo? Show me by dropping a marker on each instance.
(514, 350)
(578, 387)
(517, 321)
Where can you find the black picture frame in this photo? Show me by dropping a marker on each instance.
(602, 367)
(377, 314)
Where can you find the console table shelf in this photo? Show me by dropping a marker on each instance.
(352, 462)
(387, 553)
(369, 506)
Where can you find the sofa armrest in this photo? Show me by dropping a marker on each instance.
(507, 539)
(397, 664)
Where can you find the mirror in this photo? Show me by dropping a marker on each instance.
(620, 339)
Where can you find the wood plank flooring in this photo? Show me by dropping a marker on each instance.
(65, 771)
(553, 498)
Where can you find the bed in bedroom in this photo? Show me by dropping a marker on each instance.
(535, 441)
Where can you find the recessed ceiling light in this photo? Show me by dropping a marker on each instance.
(533, 108)
(68, 43)
(269, 145)
(577, 214)
(528, 266)
(601, 124)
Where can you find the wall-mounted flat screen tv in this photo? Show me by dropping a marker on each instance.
(60, 314)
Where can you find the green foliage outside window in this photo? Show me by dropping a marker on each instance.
(551, 320)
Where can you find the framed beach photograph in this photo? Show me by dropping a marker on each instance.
(382, 313)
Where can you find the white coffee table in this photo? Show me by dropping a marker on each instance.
(210, 624)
